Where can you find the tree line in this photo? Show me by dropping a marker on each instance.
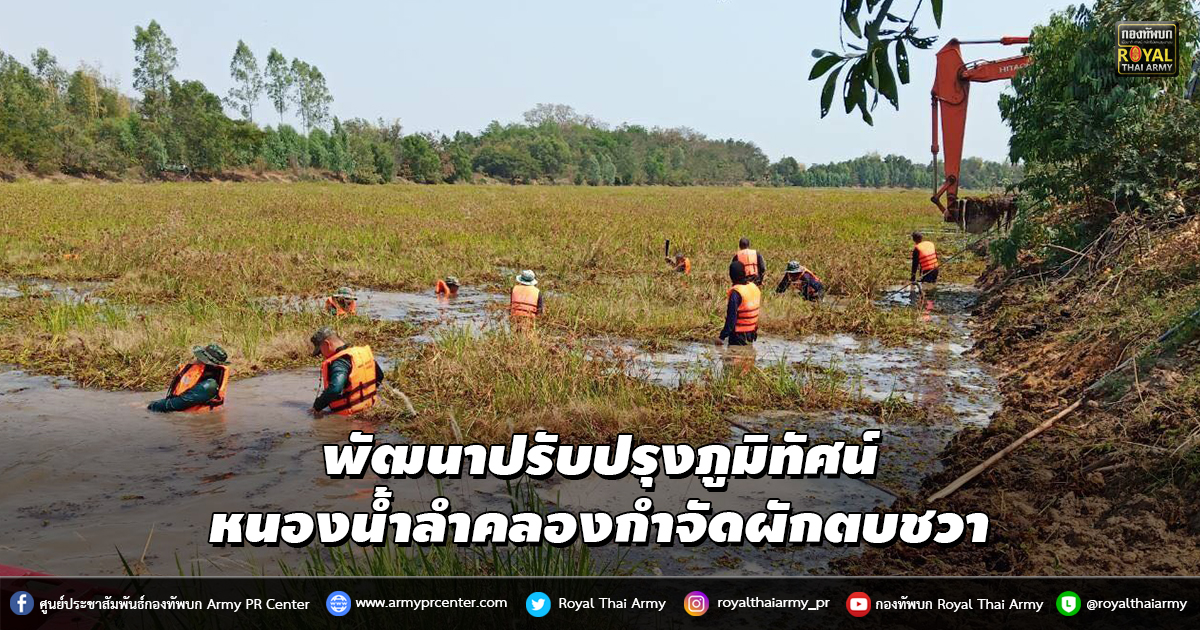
(80, 123)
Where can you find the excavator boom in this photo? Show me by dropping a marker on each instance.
(950, 93)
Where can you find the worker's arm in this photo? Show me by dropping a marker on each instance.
(541, 304)
(199, 393)
(762, 270)
(731, 311)
(339, 375)
(916, 264)
(784, 283)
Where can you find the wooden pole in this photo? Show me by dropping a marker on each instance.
(987, 463)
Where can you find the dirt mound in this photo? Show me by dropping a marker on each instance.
(1114, 488)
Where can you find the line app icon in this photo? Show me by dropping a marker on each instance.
(858, 604)
(1068, 604)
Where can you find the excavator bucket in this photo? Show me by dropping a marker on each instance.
(979, 214)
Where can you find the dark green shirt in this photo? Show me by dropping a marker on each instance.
(200, 393)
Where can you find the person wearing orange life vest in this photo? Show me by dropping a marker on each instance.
(680, 263)
(342, 303)
(525, 302)
(802, 279)
(350, 376)
(198, 385)
(742, 309)
(447, 287)
(924, 259)
(752, 262)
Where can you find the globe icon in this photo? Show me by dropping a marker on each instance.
(338, 603)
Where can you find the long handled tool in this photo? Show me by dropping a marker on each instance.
(667, 248)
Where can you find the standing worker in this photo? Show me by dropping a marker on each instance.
(741, 311)
(803, 280)
(525, 303)
(343, 302)
(924, 258)
(198, 385)
(752, 262)
(350, 376)
(680, 263)
(447, 287)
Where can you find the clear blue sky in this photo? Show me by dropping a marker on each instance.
(726, 68)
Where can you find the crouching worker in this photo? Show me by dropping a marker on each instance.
(342, 303)
(680, 263)
(799, 277)
(350, 376)
(741, 310)
(525, 303)
(446, 287)
(198, 385)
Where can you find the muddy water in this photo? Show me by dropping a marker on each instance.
(88, 471)
(64, 291)
(470, 310)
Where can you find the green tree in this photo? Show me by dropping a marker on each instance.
(154, 59)
(311, 94)
(83, 95)
(247, 79)
(420, 161)
(278, 82)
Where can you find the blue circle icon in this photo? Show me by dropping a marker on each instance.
(21, 603)
(537, 604)
(338, 603)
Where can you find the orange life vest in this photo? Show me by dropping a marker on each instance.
(524, 301)
(189, 374)
(926, 256)
(685, 266)
(444, 289)
(361, 385)
(749, 260)
(747, 314)
(334, 308)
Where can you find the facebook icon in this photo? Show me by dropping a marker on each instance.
(21, 603)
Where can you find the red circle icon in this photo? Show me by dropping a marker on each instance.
(1135, 54)
(858, 604)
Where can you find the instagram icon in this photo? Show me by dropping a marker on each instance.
(696, 603)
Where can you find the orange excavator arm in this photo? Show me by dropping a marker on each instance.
(951, 89)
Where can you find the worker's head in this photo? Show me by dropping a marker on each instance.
(451, 282)
(917, 237)
(527, 278)
(744, 243)
(794, 268)
(325, 342)
(679, 259)
(737, 272)
(212, 354)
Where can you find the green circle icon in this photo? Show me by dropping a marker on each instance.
(1069, 604)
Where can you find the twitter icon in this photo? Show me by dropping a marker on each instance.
(537, 604)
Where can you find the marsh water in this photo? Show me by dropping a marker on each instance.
(91, 472)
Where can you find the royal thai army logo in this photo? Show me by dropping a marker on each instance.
(1147, 49)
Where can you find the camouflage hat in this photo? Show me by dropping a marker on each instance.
(319, 337)
(527, 278)
(794, 267)
(451, 281)
(345, 292)
(212, 354)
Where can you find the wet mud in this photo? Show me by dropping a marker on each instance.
(73, 292)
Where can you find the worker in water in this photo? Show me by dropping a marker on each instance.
(343, 302)
(741, 310)
(350, 376)
(924, 259)
(752, 262)
(526, 300)
(447, 287)
(680, 263)
(198, 385)
(799, 277)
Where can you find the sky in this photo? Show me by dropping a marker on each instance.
(725, 68)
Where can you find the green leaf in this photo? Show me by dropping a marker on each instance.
(822, 66)
(885, 82)
(902, 62)
(827, 91)
(850, 11)
(937, 11)
(818, 53)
